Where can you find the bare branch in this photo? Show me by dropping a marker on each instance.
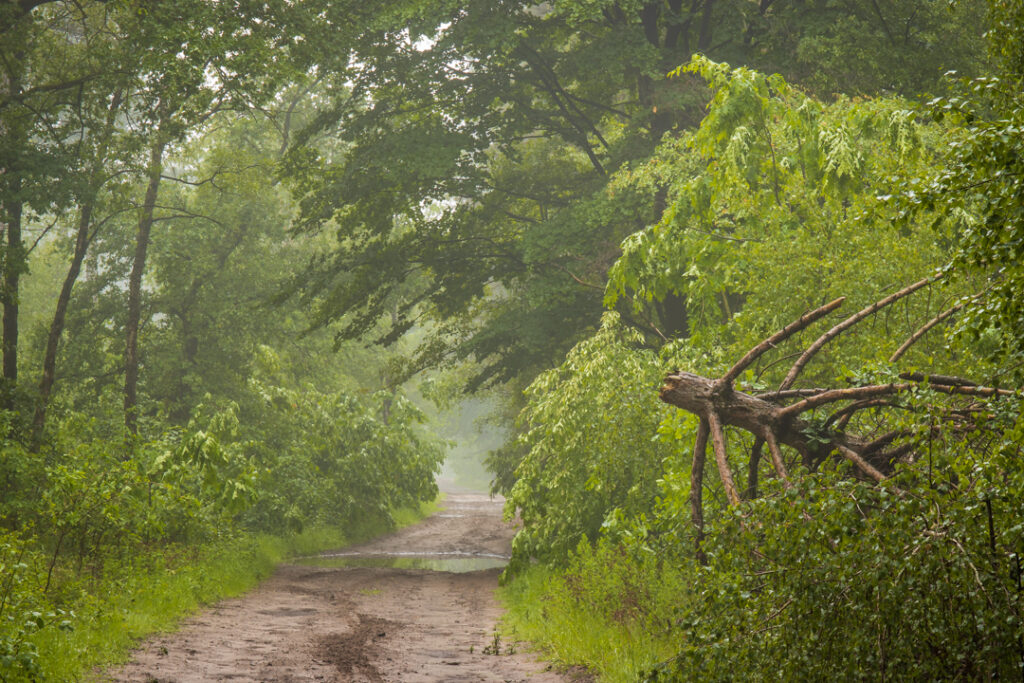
(842, 416)
(971, 391)
(212, 180)
(865, 467)
(927, 326)
(718, 404)
(776, 453)
(42, 233)
(853, 393)
(589, 285)
(895, 454)
(753, 466)
(700, 448)
(789, 393)
(798, 366)
(947, 380)
(789, 330)
(721, 459)
(884, 440)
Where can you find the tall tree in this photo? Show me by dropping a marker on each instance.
(97, 175)
(481, 139)
(983, 182)
(222, 58)
(50, 57)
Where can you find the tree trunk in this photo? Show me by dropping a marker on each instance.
(145, 225)
(57, 325)
(14, 266)
(11, 210)
(82, 240)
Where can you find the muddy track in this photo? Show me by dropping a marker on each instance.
(362, 623)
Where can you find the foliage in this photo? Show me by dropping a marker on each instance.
(238, 437)
(20, 609)
(326, 457)
(587, 427)
(982, 178)
(102, 618)
(777, 203)
(210, 453)
(768, 204)
(834, 579)
(607, 611)
(499, 227)
(464, 182)
(769, 207)
(838, 578)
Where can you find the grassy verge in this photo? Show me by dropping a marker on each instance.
(153, 594)
(543, 608)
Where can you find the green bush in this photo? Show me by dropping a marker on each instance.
(834, 579)
(588, 427)
(22, 610)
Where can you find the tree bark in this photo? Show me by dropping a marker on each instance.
(706, 27)
(14, 266)
(82, 241)
(700, 447)
(57, 325)
(145, 225)
(11, 211)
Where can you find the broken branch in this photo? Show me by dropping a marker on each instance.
(866, 467)
(927, 326)
(776, 453)
(718, 444)
(700, 448)
(798, 366)
(870, 391)
(789, 330)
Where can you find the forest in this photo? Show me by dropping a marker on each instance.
(739, 281)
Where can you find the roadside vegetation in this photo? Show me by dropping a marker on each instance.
(167, 431)
(896, 558)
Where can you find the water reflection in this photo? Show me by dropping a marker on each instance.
(439, 562)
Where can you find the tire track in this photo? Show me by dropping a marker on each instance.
(360, 624)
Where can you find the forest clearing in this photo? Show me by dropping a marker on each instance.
(721, 298)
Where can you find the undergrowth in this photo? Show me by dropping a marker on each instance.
(85, 623)
(604, 612)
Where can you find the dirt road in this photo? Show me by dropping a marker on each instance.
(390, 622)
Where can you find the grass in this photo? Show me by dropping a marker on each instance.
(565, 631)
(154, 593)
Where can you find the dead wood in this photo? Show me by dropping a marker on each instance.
(700, 447)
(754, 469)
(778, 418)
(929, 325)
(845, 325)
(721, 458)
(780, 336)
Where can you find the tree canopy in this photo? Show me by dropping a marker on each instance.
(482, 137)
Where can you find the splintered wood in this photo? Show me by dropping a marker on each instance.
(778, 418)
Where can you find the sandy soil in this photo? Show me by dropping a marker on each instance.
(309, 623)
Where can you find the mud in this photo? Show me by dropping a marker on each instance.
(389, 621)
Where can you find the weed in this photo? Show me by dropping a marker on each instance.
(495, 647)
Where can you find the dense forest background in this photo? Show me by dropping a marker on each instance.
(243, 241)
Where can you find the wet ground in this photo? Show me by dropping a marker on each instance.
(415, 606)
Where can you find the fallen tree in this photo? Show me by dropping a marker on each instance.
(778, 418)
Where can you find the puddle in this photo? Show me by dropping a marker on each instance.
(438, 562)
